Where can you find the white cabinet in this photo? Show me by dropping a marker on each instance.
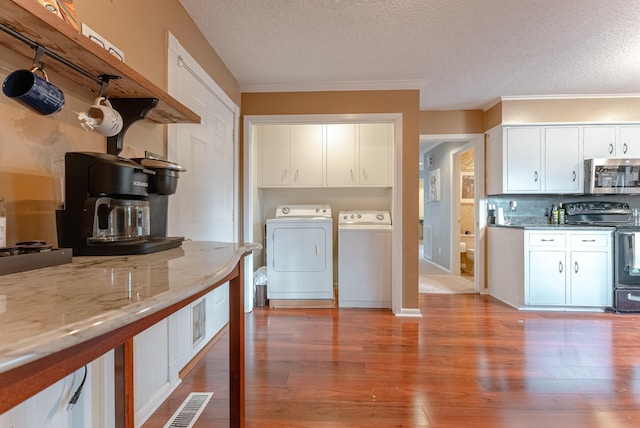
(307, 155)
(292, 155)
(611, 141)
(629, 143)
(568, 268)
(165, 348)
(599, 141)
(374, 154)
(534, 159)
(562, 161)
(523, 156)
(341, 155)
(275, 155)
(331, 155)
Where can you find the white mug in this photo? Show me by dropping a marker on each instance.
(102, 117)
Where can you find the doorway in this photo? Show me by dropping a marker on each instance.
(451, 229)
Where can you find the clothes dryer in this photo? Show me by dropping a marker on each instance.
(364, 259)
(299, 251)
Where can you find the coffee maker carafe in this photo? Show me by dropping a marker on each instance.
(116, 206)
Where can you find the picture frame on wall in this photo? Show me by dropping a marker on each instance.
(467, 187)
(435, 190)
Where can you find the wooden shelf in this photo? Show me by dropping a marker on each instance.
(33, 21)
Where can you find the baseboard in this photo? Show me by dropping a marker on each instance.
(298, 303)
(409, 312)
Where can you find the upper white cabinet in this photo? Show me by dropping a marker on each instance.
(374, 155)
(276, 155)
(524, 159)
(533, 159)
(341, 155)
(611, 141)
(562, 161)
(331, 155)
(306, 155)
(629, 143)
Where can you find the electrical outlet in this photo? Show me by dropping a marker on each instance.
(513, 205)
(439, 251)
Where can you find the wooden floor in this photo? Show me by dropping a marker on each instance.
(470, 361)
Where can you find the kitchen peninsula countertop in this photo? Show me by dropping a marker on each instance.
(44, 311)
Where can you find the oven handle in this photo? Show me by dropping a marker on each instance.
(633, 298)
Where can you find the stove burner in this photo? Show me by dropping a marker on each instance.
(25, 247)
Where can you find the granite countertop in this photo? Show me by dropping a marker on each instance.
(47, 310)
(553, 226)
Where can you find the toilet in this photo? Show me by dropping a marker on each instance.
(467, 253)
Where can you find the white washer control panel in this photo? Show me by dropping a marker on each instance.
(364, 217)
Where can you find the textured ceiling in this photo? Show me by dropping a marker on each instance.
(461, 54)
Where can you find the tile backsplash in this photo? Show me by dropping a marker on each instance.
(536, 209)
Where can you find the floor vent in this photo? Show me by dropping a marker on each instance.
(190, 410)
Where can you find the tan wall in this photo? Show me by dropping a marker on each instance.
(140, 29)
(493, 116)
(583, 110)
(29, 142)
(451, 122)
(365, 102)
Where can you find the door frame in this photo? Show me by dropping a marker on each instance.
(250, 184)
(480, 200)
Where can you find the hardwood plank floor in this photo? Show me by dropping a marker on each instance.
(470, 361)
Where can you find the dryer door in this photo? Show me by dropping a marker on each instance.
(300, 249)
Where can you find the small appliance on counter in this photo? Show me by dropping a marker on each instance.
(116, 206)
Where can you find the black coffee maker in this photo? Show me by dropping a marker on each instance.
(116, 206)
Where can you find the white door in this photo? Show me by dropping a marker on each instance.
(203, 208)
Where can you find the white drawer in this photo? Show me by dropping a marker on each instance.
(547, 239)
(587, 240)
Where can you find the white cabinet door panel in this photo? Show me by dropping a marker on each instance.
(307, 163)
(276, 155)
(374, 154)
(589, 279)
(562, 159)
(524, 159)
(547, 278)
(629, 144)
(341, 155)
(599, 142)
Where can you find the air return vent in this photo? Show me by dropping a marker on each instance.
(190, 410)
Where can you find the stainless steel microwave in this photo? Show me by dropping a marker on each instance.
(612, 176)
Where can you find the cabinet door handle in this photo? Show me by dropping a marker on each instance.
(297, 174)
(284, 175)
(574, 177)
(624, 148)
(560, 267)
(588, 240)
(535, 176)
(547, 240)
(364, 174)
(575, 267)
(610, 148)
(351, 172)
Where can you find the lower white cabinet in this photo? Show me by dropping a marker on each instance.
(568, 268)
(551, 268)
(161, 351)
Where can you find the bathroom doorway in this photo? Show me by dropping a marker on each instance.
(464, 171)
(450, 230)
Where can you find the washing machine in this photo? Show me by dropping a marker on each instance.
(299, 251)
(364, 259)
